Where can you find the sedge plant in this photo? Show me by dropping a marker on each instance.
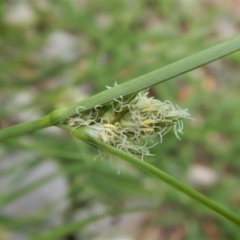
(123, 122)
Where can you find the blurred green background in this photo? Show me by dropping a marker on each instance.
(55, 53)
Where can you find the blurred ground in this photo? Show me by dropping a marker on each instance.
(55, 53)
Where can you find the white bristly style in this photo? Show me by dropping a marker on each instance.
(132, 125)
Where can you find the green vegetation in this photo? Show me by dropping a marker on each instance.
(67, 51)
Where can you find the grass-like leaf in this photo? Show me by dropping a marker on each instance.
(163, 74)
(160, 175)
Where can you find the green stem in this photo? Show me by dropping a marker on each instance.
(158, 76)
(133, 86)
(81, 134)
(25, 127)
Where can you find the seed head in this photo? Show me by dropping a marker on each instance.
(128, 125)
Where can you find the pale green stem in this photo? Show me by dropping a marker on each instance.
(158, 76)
(83, 135)
(23, 128)
(133, 86)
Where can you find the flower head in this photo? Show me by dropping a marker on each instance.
(129, 124)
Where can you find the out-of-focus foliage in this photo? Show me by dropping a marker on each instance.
(55, 53)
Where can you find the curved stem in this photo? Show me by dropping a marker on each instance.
(81, 134)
